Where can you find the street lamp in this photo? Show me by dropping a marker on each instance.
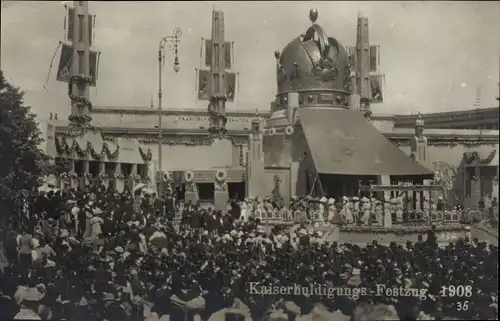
(169, 43)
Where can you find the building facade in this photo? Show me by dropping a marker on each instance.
(217, 154)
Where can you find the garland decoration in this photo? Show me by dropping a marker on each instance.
(272, 131)
(146, 156)
(119, 176)
(80, 120)
(221, 175)
(73, 175)
(289, 130)
(448, 143)
(103, 176)
(216, 129)
(474, 157)
(88, 175)
(166, 177)
(188, 176)
(63, 147)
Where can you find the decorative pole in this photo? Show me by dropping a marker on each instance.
(170, 43)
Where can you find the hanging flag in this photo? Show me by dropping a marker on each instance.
(93, 66)
(91, 23)
(230, 86)
(204, 85)
(374, 58)
(227, 54)
(208, 52)
(352, 55)
(71, 21)
(376, 82)
(64, 68)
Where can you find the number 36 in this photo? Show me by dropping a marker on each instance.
(462, 306)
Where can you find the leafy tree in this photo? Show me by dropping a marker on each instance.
(22, 162)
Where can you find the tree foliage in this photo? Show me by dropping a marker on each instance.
(22, 162)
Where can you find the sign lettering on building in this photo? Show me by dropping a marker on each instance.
(206, 118)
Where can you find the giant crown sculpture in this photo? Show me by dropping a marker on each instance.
(316, 66)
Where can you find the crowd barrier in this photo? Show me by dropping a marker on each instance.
(284, 216)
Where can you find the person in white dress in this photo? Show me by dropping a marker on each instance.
(387, 213)
(366, 209)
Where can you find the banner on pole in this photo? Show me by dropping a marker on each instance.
(351, 51)
(230, 86)
(71, 23)
(227, 54)
(64, 68)
(93, 72)
(208, 52)
(377, 84)
(374, 58)
(204, 85)
(66, 61)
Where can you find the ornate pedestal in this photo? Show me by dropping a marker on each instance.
(221, 195)
(74, 182)
(191, 194)
(119, 184)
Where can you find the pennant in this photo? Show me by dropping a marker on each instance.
(374, 58)
(208, 52)
(90, 24)
(71, 21)
(64, 68)
(352, 55)
(93, 57)
(227, 54)
(376, 86)
(204, 85)
(230, 86)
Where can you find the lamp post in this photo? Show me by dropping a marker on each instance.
(170, 43)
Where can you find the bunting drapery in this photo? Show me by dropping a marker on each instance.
(232, 52)
(93, 30)
(65, 18)
(201, 50)
(50, 67)
(196, 80)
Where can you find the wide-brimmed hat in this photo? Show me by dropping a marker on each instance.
(355, 198)
(331, 201)
(323, 200)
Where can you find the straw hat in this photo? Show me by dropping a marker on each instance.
(331, 201)
(323, 200)
(355, 198)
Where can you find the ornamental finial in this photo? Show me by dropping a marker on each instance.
(420, 121)
(313, 15)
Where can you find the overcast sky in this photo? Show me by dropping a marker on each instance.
(434, 54)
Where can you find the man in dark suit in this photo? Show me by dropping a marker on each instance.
(158, 206)
(170, 204)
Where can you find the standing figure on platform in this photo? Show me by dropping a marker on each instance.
(332, 210)
(394, 216)
(321, 210)
(426, 208)
(244, 211)
(366, 208)
(355, 209)
(379, 212)
(399, 210)
(346, 212)
(387, 213)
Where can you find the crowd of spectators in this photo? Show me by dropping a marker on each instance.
(83, 255)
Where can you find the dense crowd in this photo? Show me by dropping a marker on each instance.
(83, 255)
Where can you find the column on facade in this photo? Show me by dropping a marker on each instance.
(134, 170)
(476, 187)
(102, 167)
(119, 183)
(85, 166)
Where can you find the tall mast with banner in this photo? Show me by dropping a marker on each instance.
(216, 81)
(78, 62)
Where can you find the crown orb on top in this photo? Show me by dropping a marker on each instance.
(313, 15)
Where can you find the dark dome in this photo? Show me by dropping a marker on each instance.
(314, 62)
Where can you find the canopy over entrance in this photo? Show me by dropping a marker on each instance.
(343, 142)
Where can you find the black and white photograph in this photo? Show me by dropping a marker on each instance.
(249, 160)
